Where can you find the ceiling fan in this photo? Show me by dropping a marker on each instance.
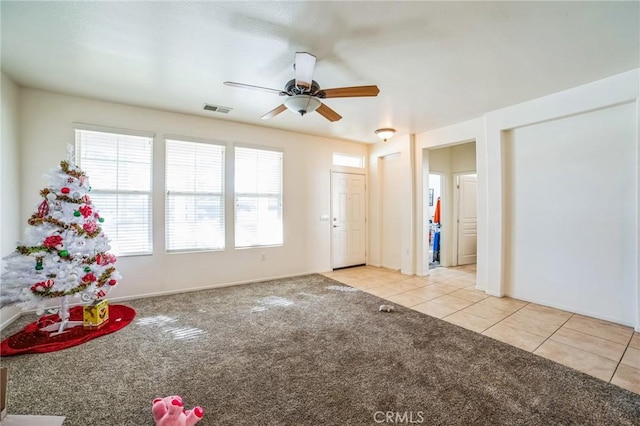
(304, 94)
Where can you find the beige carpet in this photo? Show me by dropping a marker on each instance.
(305, 351)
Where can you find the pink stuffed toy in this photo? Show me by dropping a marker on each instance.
(169, 411)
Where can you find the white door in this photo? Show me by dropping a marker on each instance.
(467, 219)
(348, 220)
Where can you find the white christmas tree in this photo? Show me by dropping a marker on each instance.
(64, 253)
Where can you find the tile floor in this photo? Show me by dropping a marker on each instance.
(608, 351)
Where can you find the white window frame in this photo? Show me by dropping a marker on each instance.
(278, 197)
(194, 246)
(111, 223)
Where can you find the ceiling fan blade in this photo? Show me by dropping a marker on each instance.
(349, 92)
(328, 113)
(304, 65)
(277, 110)
(248, 86)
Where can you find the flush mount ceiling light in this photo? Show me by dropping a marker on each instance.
(385, 133)
(302, 104)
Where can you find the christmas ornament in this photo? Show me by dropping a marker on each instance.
(77, 213)
(52, 241)
(65, 190)
(90, 227)
(85, 210)
(43, 209)
(63, 253)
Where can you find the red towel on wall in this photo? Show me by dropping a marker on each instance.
(436, 215)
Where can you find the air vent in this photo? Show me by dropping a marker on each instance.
(217, 108)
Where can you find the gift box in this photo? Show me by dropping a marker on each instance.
(96, 314)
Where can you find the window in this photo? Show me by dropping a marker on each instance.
(258, 196)
(195, 196)
(348, 160)
(119, 169)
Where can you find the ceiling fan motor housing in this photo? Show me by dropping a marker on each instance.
(291, 89)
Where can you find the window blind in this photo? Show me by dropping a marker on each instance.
(195, 196)
(119, 170)
(258, 197)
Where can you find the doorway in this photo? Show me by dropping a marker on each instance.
(445, 165)
(434, 206)
(348, 219)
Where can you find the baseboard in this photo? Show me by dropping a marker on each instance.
(10, 321)
(572, 310)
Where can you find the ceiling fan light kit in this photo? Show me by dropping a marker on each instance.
(302, 104)
(304, 94)
(385, 133)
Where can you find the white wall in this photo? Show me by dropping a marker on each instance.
(545, 116)
(390, 168)
(10, 222)
(47, 127)
(569, 194)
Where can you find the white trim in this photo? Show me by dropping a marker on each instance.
(10, 320)
(259, 147)
(181, 138)
(115, 130)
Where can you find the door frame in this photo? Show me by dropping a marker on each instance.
(348, 171)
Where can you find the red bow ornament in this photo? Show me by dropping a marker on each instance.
(52, 241)
(85, 210)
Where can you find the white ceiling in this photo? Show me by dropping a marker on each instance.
(436, 63)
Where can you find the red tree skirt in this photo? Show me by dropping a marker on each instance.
(31, 340)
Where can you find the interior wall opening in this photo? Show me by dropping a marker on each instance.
(447, 168)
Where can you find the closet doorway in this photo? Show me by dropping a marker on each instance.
(435, 206)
